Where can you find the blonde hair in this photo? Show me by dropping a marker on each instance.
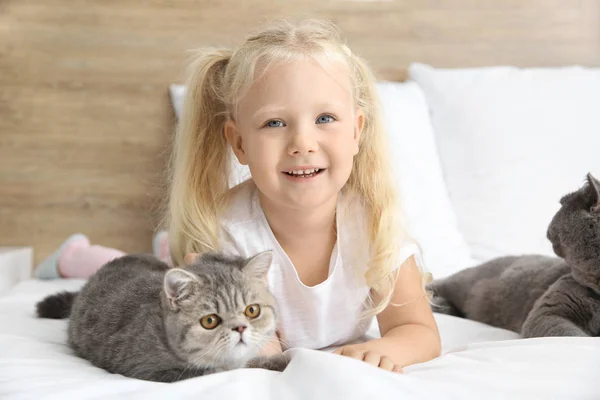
(201, 161)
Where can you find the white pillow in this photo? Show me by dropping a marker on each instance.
(512, 142)
(429, 214)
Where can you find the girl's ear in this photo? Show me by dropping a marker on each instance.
(235, 141)
(359, 124)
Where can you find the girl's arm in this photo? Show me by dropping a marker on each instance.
(409, 333)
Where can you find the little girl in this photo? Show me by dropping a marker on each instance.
(300, 110)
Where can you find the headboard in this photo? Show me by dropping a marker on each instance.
(85, 118)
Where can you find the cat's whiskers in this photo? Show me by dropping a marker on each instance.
(188, 365)
(284, 343)
(201, 360)
(221, 349)
(185, 368)
(264, 342)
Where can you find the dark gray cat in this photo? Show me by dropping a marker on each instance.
(139, 318)
(536, 295)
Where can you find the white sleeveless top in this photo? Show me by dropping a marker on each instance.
(314, 317)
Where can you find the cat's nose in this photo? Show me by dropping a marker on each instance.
(240, 328)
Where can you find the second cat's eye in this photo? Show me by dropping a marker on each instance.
(252, 311)
(210, 321)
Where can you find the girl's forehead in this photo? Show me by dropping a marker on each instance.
(283, 81)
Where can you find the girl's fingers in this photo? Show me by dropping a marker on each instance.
(190, 258)
(340, 351)
(369, 357)
(372, 358)
(359, 355)
(349, 352)
(386, 363)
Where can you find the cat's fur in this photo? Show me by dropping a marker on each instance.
(536, 295)
(139, 318)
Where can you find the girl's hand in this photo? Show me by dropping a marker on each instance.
(190, 258)
(362, 353)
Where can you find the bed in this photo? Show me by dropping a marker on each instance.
(479, 362)
(85, 141)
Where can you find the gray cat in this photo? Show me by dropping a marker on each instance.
(536, 295)
(139, 318)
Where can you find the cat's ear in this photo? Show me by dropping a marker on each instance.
(595, 185)
(258, 266)
(179, 284)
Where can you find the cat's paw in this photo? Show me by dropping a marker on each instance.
(277, 362)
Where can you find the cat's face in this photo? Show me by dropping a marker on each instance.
(575, 232)
(219, 311)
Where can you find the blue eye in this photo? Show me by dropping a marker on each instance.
(325, 118)
(274, 123)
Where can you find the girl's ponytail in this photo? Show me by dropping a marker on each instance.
(201, 159)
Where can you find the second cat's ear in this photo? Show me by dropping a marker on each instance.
(595, 185)
(258, 266)
(179, 284)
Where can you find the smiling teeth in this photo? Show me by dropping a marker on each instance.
(305, 171)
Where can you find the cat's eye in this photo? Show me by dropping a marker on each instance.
(252, 311)
(210, 321)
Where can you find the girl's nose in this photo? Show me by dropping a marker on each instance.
(302, 142)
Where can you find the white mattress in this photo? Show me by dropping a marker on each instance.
(479, 361)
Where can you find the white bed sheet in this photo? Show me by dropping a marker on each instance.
(479, 361)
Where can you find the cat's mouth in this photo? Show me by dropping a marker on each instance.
(241, 341)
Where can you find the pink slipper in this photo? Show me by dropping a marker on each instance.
(48, 269)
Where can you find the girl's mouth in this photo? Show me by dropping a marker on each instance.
(305, 173)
